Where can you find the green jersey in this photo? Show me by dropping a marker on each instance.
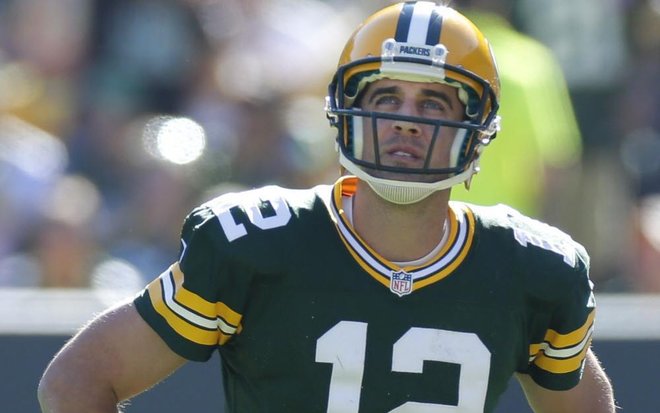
(308, 318)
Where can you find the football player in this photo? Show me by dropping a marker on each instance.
(375, 294)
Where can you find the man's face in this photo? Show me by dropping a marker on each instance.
(404, 143)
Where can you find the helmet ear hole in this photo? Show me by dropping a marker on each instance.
(458, 147)
(354, 136)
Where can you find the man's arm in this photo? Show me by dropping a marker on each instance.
(592, 395)
(112, 359)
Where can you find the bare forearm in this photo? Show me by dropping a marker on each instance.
(599, 386)
(593, 394)
(59, 404)
(77, 379)
(114, 358)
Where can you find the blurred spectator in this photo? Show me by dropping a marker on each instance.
(144, 54)
(639, 117)
(64, 246)
(643, 265)
(143, 57)
(647, 277)
(588, 38)
(639, 121)
(31, 162)
(45, 43)
(259, 77)
(539, 139)
(144, 230)
(60, 249)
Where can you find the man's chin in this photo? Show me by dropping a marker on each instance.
(407, 177)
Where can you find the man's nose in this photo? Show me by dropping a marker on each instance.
(405, 126)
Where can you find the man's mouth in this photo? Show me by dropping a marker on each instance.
(403, 154)
(406, 152)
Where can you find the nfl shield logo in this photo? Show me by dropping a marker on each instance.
(401, 283)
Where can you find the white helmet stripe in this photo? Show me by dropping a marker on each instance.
(419, 24)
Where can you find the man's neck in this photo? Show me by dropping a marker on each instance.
(399, 232)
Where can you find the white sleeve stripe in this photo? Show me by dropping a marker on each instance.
(568, 352)
(186, 314)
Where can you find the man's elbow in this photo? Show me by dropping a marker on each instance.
(51, 386)
(65, 389)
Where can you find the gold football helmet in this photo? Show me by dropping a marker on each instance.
(417, 42)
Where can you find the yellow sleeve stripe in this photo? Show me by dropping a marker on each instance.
(170, 294)
(190, 299)
(182, 327)
(563, 353)
(559, 366)
(558, 340)
(177, 306)
(200, 305)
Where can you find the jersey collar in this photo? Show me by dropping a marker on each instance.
(451, 255)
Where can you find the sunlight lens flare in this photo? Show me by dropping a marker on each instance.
(177, 140)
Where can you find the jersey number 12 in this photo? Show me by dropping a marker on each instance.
(345, 346)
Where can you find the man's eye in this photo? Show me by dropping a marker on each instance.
(387, 100)
(433, 105)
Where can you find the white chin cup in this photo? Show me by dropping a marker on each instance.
(404, 192)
